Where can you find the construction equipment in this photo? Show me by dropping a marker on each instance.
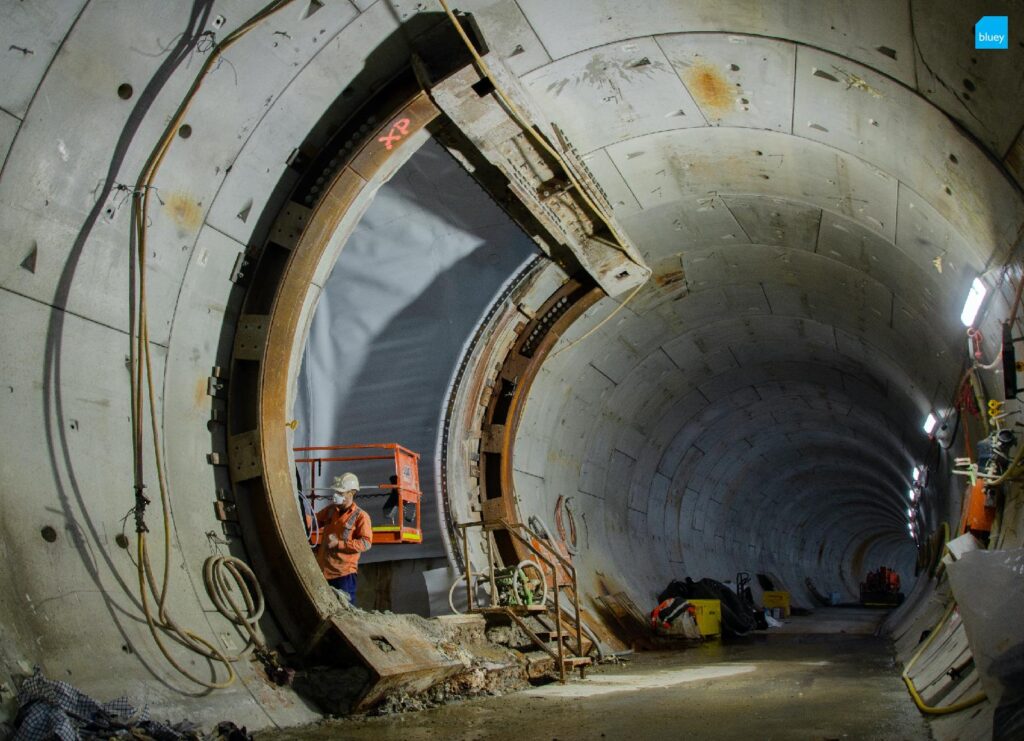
(881, 588)
(777, 600)
(403, 488)
(689, 618)
(979, 510)
(521, 596)
(736, 616)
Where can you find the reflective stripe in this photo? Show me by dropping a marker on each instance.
(366, 543)
(350, 524)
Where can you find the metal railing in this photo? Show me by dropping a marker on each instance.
(546, 556)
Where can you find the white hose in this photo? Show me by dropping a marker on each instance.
(543, 580)
(461, 579)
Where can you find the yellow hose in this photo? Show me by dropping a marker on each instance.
(918, 700)
(142, 378)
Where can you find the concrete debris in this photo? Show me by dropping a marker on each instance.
(335, 691)
(488, 666)
(482, 678)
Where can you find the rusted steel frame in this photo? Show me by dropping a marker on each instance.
(577, 618)
(558, 609)
(260, 408)
(521, 368)
(536, 639)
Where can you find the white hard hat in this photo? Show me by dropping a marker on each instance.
(346, 482)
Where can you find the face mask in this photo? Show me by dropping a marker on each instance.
(339, 498)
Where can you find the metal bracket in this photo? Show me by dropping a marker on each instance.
(493, 438)
(251, 336)
(289, 225)
(216, 384)
(225, 511)
(238, 269)
(244, 456)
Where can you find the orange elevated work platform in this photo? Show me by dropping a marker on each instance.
(403, 488)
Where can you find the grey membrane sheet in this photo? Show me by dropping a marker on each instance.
(421, 269)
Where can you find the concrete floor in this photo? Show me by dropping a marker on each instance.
(820, 677)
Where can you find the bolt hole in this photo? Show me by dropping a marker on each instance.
(953, 159)
(949, 192)
(122, 540)
(968, 85)
(758, 152)
(734, 67)
(49, 534)
(185, 131)
(124, 91)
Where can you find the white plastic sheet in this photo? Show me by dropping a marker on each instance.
(989, 590)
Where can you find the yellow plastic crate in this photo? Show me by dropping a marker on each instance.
(777, 599)
(709, 616)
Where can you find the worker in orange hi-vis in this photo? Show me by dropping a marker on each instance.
(346, 532)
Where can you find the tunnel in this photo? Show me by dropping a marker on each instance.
(652, 291)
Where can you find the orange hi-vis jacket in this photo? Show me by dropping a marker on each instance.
(354, 534)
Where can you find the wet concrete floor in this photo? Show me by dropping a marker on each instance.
(820, 677)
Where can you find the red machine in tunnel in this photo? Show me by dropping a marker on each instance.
(401, 465)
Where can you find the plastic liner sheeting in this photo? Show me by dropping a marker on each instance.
(989, 590)
(406, 295)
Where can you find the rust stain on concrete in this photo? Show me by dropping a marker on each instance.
(667, 279)
(709, 86)
(185, 211)
(200, 392)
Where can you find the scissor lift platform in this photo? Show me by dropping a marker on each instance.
(406, 470)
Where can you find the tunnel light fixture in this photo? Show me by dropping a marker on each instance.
(917, 473)
(974, 298)
(929, 423)
(912, 495)
(910, 513)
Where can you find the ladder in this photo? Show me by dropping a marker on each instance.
(569, 651)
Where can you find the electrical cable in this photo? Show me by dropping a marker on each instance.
(600, 324)
(217, 584)
(905, 675)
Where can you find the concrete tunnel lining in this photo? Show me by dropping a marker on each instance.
(223, 171)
